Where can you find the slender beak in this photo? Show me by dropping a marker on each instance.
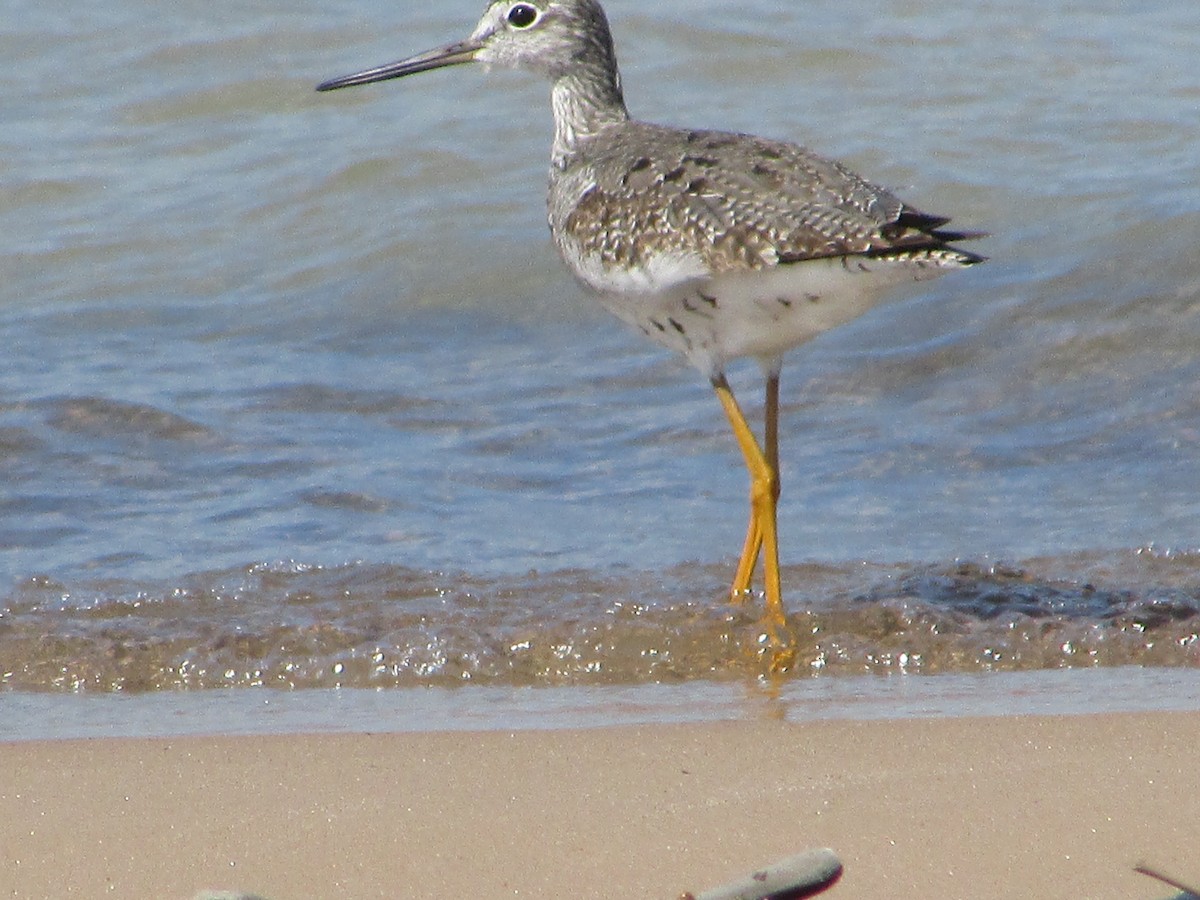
(451, 55)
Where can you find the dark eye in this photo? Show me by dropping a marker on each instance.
(522, 15)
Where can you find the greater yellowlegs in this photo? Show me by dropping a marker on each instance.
(716, 245)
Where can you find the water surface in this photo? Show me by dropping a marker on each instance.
(297, 395)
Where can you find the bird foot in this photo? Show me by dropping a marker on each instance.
(781, 651)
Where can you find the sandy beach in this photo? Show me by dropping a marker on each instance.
(1016, 807)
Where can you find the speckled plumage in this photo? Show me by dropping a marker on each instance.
(716, 245)
(664, 222)
(741, 202)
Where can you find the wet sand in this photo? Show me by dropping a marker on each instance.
(1016, 807)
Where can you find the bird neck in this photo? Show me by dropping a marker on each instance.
(586, 100)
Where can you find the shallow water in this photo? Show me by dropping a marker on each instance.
(296, 393)
(381, 625)
(43, 715)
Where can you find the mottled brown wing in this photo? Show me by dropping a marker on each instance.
(741, 202)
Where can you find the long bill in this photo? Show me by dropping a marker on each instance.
(450, 55)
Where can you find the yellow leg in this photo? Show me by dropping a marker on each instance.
(761, 536)
(740, 591)
(754, 535)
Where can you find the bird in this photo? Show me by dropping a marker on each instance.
(717, 245)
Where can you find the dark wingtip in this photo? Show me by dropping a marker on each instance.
(952, 236)
(969, 258)
(913, 229)
(920, 221)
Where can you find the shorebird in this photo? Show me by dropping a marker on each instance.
(714, 244)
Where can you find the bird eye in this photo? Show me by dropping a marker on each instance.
(522, 15)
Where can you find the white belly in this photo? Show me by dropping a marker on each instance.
(760, 313)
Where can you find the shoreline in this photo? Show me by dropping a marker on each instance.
(1045, 806)
(479, 707)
